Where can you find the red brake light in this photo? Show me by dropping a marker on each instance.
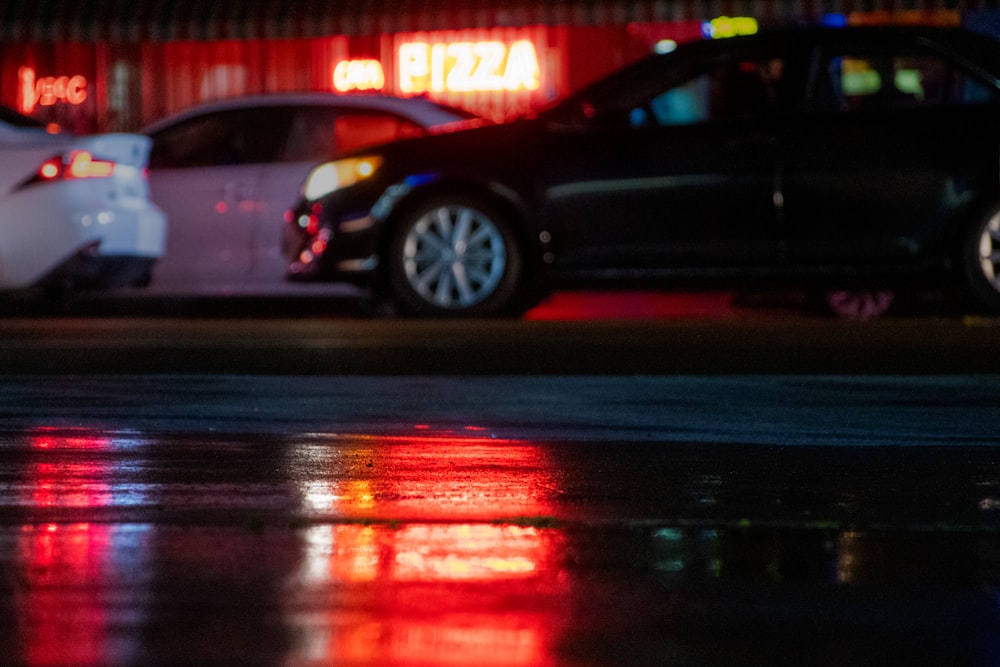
(50, 169)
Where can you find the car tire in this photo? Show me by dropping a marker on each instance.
(456, 256)
(980, 261)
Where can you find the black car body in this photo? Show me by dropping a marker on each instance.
(853, 157)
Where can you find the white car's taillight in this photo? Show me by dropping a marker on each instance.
(74, 165)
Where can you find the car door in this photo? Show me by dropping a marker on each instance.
(895, 145)
(315, 134)
(205, 173)
(681, 179)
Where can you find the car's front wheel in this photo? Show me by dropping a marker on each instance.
(455, 256)
(980, 261)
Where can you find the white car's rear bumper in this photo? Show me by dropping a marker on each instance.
(50, 228)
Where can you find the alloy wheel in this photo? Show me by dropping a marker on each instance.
(454, 256)
(989, 251)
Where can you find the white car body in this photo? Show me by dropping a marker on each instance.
(226, 211)
(71, 229)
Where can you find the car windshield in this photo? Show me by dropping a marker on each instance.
(614, 93)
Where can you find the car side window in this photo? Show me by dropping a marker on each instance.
(317, 133)
(733, 89)
(227, 138)
(360, 129)
(852, 81)
(310, 135)
(193, 143)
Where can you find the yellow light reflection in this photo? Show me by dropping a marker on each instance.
(465, 552)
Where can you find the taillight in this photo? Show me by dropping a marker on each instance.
(76, 164)
(51, 169)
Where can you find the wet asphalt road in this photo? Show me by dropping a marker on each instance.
(648, 491)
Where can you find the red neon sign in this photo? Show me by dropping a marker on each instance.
(468, 66)
(48, 90)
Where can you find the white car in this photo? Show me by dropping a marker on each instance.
(226, 172)
(74, 210)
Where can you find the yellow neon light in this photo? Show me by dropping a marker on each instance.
(358, 75)
(468, 66)
(730, 26)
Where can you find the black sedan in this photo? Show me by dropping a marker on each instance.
(852, 159)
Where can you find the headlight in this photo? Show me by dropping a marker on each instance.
(331, 176)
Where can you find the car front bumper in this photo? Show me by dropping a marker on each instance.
(323, 245)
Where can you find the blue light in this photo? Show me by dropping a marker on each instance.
(416, 180)
(834, 21)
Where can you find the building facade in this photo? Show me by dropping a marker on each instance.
(116, 65)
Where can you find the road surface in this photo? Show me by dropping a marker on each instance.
(331, 491)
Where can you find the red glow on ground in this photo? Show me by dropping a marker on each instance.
(632, 305)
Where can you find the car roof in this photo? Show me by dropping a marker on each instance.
(873, 31)
(980, 49)
(418, 109)
(956, 39)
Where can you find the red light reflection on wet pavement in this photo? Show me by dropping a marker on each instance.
(448, 581)
(460, 594)
(453, 548)
(462, 590)
(634, 304)
(432, 477)
(67, 571)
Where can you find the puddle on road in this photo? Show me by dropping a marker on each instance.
(455, 549)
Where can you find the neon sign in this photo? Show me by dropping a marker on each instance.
(358, 75)
(467, 66)
(48, 90)
(729, 26)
